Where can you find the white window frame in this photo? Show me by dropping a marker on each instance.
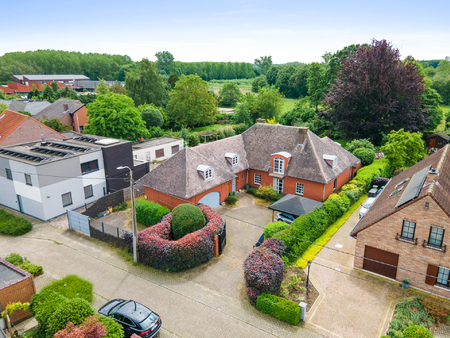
(234, 161)
(278, 185)
(257, 179)
(278, 165)
(299, 188)
(209, 174)
(28, 180)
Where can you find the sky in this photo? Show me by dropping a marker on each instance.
(218, 30)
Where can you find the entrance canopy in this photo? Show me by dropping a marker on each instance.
(295, 205)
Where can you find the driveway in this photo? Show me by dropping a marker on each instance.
(206, 301)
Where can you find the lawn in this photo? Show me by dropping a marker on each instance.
(288, 104)
(210, 127)
(245, 85)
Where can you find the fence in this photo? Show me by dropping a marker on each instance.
(108, 233)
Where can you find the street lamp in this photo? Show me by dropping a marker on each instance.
(133, 210)
(307, 278)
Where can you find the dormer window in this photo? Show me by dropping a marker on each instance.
(232, 158)
(206, 172)
(278, 165)
(331, 160)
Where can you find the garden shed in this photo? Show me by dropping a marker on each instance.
(294, 205)
(437, 140)
(16, 285)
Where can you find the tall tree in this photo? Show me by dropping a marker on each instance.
(315, 82)
(191, 103)
(114, 115)
(102, 88)
(403, 148)
(263, 64)
(165, 62)
(229, 95)
(376, 92)
(146, 85)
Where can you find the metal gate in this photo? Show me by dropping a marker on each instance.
(78, 221)
(223, 238)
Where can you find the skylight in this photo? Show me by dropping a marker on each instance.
(395, 192)
(402, 182)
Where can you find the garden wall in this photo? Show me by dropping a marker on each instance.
(102, 204)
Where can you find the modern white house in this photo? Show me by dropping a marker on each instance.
(157, 149)
(45, 178)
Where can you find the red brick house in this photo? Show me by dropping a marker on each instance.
(18, 128)
(70, 112)
(291, 159)
(403, 235)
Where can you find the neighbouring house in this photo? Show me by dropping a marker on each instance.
(291, 159)
(91, 85)
(157, 149)
(45, 178)
(67, 79)
(31, 106)
(18, 128)
(437, 140)
(13, 88)
(403, 234)
(70, 112)
(16, 285)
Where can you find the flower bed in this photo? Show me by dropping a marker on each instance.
(156, 248)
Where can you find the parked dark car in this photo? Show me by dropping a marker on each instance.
(134, 317)
(260, 240)
(283, 217)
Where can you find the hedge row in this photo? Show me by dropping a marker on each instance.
(264, 269)
(311, 226)
(149, 213)
(25, 264)
(12, 225)
(280, 308)
(156, 248)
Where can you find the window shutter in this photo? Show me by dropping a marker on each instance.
(159, 153)
(431, 271)
(175, 149)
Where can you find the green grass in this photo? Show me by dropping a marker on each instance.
(343, 143)
(288, 104)
(313, 250)
(13, 225)
(245, 85)
(72, 286)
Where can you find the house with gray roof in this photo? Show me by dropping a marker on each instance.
(70, 112)
(31, 106)
(404, 233)
(291, 159)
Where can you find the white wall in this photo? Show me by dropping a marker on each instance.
(149, 154)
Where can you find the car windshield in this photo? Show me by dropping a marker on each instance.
(149, 321)
(287, 216)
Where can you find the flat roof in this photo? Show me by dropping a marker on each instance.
(155, 142)
(8, 275)
(46, 77)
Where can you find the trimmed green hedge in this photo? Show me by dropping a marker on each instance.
(149, 213)
(252, 191)
(12, 225)
(186, 218)
(279, 308)
(311, 226)
(231, 200)
(72, 286)
(25, 264)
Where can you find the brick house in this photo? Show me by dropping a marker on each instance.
(405, 229)
(17, 128)
(70, 112)
(291, 159)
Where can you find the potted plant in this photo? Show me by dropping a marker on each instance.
(405, 283)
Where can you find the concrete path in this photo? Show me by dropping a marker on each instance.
(352, 303)
(208, 301)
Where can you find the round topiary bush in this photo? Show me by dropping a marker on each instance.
(186, 218)
(367, 156)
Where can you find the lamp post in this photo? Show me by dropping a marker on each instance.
(133, 211)
(307, 278)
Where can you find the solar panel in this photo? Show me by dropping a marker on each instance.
(25, 156)
(85, 139)
(414, 186)
(49, 151)
(66, 146)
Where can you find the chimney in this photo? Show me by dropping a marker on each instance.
(302, 134)
(260, 120)
(65, 106)
(42, 138)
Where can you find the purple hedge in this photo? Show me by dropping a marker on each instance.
(158, 250)
(264, 269)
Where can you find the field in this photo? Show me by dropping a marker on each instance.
(445, 110)
(245, 85)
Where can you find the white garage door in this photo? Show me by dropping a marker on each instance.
(212, 199)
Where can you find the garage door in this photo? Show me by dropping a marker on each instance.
(212, 199)
(382, 257)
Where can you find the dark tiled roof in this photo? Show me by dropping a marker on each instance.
(295, 205)
(179, 176)
(385, 205)
(440, 134)
(56, 109)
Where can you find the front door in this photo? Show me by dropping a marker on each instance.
(234, 184)
(19, 202)
(432, 142)
(278, 185)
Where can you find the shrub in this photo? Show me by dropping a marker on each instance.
(72, 286)
(44, 304)
(90, 328)
(12, 225)
(113, 328)
(267, 192)
(279, 308)
(263, 270)
(272, 228)
(361, 143)
(149, 213)
(24, 264)
(239, 128)
(157, 250)
(252, 191)
(186, 218)
(366, 156)
(275, 245)
(417, 331)
(380, 181)
(74, 310)
(231, 200)
(121, 207)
